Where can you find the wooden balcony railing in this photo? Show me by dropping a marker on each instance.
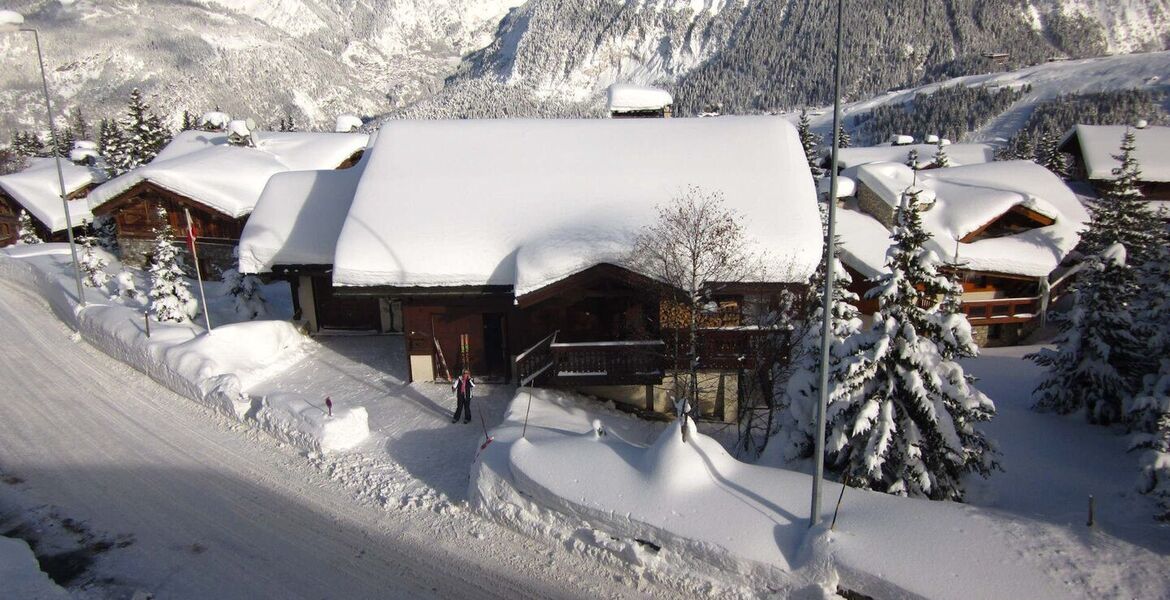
(608, 363)
(535, 361)
(1001, 310)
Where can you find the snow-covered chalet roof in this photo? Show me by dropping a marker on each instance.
(625, 97)
(1099, 144)
(965, 199)
(204, 167)
(959, 154)
(298, 218)
(39, 192)
(525, 203)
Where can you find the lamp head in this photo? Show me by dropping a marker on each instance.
(10, 20)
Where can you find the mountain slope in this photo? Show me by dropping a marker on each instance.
(312, 59)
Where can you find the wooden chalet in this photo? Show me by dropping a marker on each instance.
(217, 181)
(1093, 148)
(36, 190)
(1005, 228)
(292, 234)
(502, 241)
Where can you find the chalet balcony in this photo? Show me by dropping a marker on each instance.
(592, 363)
(1001, 310)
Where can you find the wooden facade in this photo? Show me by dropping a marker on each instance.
(135, 213)
(10, 220)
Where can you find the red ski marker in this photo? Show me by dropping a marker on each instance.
(329, 405)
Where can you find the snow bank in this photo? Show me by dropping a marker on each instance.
(1100, 143)
(626, 97)
(298, 219)
(204, 167)
(214, 369)
(699, 505)
(523, 203)
(38, 190)
(20, 573)
(964, 200)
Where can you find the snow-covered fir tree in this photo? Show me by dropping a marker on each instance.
(78, 123)
(27, 144)
(796, 420)
(112, 145)
(903, 418)
(92, 264)
(843, 137)
(105, 231)
(1048, 154)
(244, 290)
(809, 142)
(144, 132)
(1097, 358)
(941, 159)
(26, 232)
(170, 296)
(64, 139)
(1150, 420)
(1121, 216)
(189, 122)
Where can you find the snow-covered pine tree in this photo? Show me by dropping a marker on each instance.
(941, 160)
(112, 145)
(92, 264)
(796, 420)
(1048, 154)
(65, 139)
(144, 131)
(1093, 365)
(245, 293)
(26, 232)
(105, 230)
(808, 141)
(1121, 216)
(78, 123)
(843, 137)
(1150, 420)
(188, 122)
(27, 144)
(903, 420)
(170, 296)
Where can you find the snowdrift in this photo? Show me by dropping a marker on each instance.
(669, 504)
(215, 370)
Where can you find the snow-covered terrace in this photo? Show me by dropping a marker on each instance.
(959, 154)
(1101, 143)
(298, 218)
(965, 199)
(204, 167)
(38, 190)
(524, 203)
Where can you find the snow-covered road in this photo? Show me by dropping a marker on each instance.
(217, 510)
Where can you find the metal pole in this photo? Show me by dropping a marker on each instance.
(60, 174)
(830, 261)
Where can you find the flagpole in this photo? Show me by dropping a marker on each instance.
(198, 275)
(814, 517)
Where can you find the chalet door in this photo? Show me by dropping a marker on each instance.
(495, 346)
(450, 329)
(340, 312)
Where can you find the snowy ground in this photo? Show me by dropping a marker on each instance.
(183, 500)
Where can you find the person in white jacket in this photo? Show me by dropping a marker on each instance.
(463, 386)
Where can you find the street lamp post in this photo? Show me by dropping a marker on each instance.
(827, 315)
(12, 22)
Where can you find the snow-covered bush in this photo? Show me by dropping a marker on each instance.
(170, 296)
(127, 288)
(92, 264)
(1150, 417)
(245, 293)
(26, 232)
